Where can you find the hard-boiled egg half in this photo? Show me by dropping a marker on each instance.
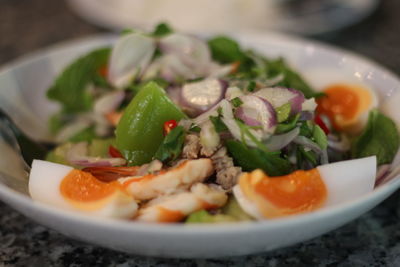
(72, 189)
(347, 100)
(266, 197)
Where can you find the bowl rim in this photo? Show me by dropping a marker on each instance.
(14, 198)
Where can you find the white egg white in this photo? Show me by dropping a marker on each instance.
(44, 186)
(344, 181)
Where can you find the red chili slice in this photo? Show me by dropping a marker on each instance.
(321, 124)
(113, 152)
(169, 125)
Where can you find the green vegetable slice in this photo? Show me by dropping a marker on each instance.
(253, 158)
(225, 50)
(380, 137)
(70, 88)
(140, 130)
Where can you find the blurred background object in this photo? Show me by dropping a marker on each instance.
(295, 16)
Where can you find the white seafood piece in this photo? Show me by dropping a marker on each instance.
(174, 208)
(168, 181)
(130, 57)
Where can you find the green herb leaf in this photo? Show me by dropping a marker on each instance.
(219, 125)
(70, 88)
(162, 29)
(283, 112)
(253, 158)
(236, 102)
(319, 137)
(225, 50)
(171, 147)
(380, 137)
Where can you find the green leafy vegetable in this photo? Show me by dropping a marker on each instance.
(253, 158)
(225, 50)
(171, 147)
(380, 137)
(283, 112)
(70, 88)
(140, 131)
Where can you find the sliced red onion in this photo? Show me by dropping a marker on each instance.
(277, 142)
(130, 56)
(173, 68)
(217, 71)
(108, 102)
(192, 51)
(77, 155)
(307, 143)
(271, 82)
(203, 95)
(309, 105)
(279, 96)
(202, 118)
(230, 122)
(98, 162)
(256, 111)
(341, 143)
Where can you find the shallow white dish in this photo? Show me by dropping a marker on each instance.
(22, 94)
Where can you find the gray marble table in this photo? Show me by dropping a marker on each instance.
(371, 240)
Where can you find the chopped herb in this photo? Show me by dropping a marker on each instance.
(171, 147)
(251, 86)
(283, 112)
(162, 29)
(236, 102)
(380, 137)
(84, 135)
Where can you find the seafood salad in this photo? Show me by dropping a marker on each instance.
(167, 127)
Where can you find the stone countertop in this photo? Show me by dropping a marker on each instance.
(371, 240)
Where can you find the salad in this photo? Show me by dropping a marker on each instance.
(167, 127)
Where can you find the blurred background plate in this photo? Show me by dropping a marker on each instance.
(307, 17)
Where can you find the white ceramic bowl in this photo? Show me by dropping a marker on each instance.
(22, 94)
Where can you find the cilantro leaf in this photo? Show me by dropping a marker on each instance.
(70, 87)
(171, 147)
(380, 137)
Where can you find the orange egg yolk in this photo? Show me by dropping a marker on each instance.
(167, 215)
(297, 192)
(82, 186)
(343, 104)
